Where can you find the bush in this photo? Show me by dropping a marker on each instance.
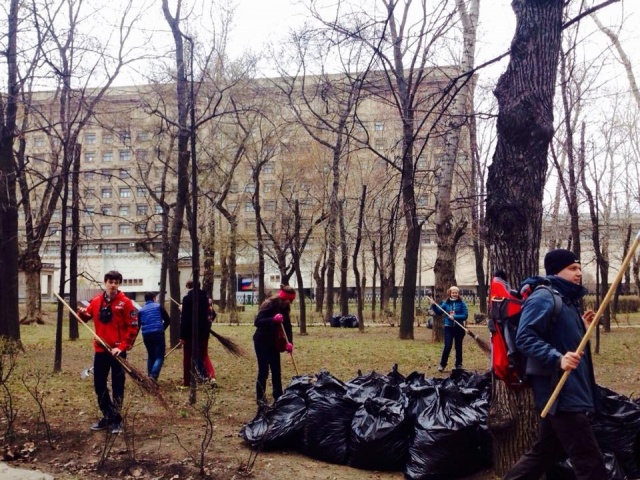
(626, 303)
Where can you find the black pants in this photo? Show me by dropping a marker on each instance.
(563, 432)
(104, 362)
(451, 335)
(268, 358)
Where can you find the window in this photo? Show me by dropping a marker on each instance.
(125, 192)
(268, 168)
(107, 156)
(56, 213)
(125, 174)
(106, 210)
(89, 211)
(268, 186)
(88, 230)
(141, 191)
(89, 192)
(250, 223)
(123, 210)
(379, 144)
(124, 136)
(90, 139)
(421, 164)
(378, 126)
(89, 156)
(233, 188)
(422, 201)
(124, 248)
(274, 278)
(249, 188)
(88, 175)
(107, 248)
(158, 227)
(248, 207)
(143, 136)
(232, 206)
(125, 155)
(141, 209)
(141, 227)
(107, 193)
(106, 229)
(38, 141)
(270, 205)
(105, 172)
(107, 138)
(124, 229)
(142, 155)
(158, 209)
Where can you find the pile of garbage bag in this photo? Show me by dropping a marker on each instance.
(344, 321)
(429, 428)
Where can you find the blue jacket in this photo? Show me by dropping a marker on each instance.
(153, 318)
(458, 306)
(544, 341)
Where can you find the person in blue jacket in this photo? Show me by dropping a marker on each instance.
(549, 343)
(154, 320)
(455, 307)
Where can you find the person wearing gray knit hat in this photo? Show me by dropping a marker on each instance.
(557, 260)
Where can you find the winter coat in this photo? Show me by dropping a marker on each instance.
(458, 306)
(186, 316)
(266, 328)
(153, 318)
(544, 340)
(121, 329)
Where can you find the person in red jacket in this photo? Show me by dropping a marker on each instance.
(116, 323)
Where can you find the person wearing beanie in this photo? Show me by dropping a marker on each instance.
(269, 340)
(549, 343)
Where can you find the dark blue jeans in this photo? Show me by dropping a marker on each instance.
(268, 358)
(567, 433)
(452, 335)
(155, 353)
(103, 363)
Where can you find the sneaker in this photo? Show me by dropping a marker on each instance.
(116, 428)
(440, 368)
(100, 425)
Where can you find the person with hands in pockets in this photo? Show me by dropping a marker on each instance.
(455, 308)
(269, 340)
(116, 322)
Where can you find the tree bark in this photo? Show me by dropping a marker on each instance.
(515, 186)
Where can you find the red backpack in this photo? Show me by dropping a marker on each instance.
(505, 306)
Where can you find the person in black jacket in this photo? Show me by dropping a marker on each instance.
(549, 343)
(273, 315)
(204, 368)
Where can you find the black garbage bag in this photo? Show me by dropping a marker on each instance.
(616, 427)
(349, 321)
(419, 392)
(447, 441)
(379, 436)
(335, 321)
(277, 427)
(564, 470)
(328, 425)
(300, 385)
(373, 385)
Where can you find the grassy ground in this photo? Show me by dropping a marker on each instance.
(163, 444)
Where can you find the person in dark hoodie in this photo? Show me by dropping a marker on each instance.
(269, 341)
(154, 320)
(549, 344)
(204, 368)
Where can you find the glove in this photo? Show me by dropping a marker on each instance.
(278, 318)
(452, 313)
(289, 348)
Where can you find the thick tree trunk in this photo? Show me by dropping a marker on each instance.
(515, 183)
(31, 266)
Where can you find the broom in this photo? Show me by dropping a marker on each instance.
(594, 323)
(143, 381)
(228, 344)
(484, 346)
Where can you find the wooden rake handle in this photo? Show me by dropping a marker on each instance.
(293, 360)
(95, 335)
(594, 323)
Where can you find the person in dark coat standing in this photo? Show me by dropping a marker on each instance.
(204, 368)
(154, 320)
(549, 343)
(268, 340)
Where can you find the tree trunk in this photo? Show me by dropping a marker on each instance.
(31, 266)
(344, 264)
(515, 183)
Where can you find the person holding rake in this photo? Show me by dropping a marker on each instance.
(272, 322)
(456, 314)
(116, 323)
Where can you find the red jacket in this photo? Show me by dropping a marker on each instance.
(121, 330)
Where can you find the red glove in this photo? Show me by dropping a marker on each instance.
(289, 348)
(278, 318)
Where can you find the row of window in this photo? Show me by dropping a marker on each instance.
(107, 155)
(107, 229)
(91, 138)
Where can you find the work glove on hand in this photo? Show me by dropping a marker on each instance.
(289, 348)
(278, 318)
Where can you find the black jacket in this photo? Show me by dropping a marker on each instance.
(266, 328)
(186, 315)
